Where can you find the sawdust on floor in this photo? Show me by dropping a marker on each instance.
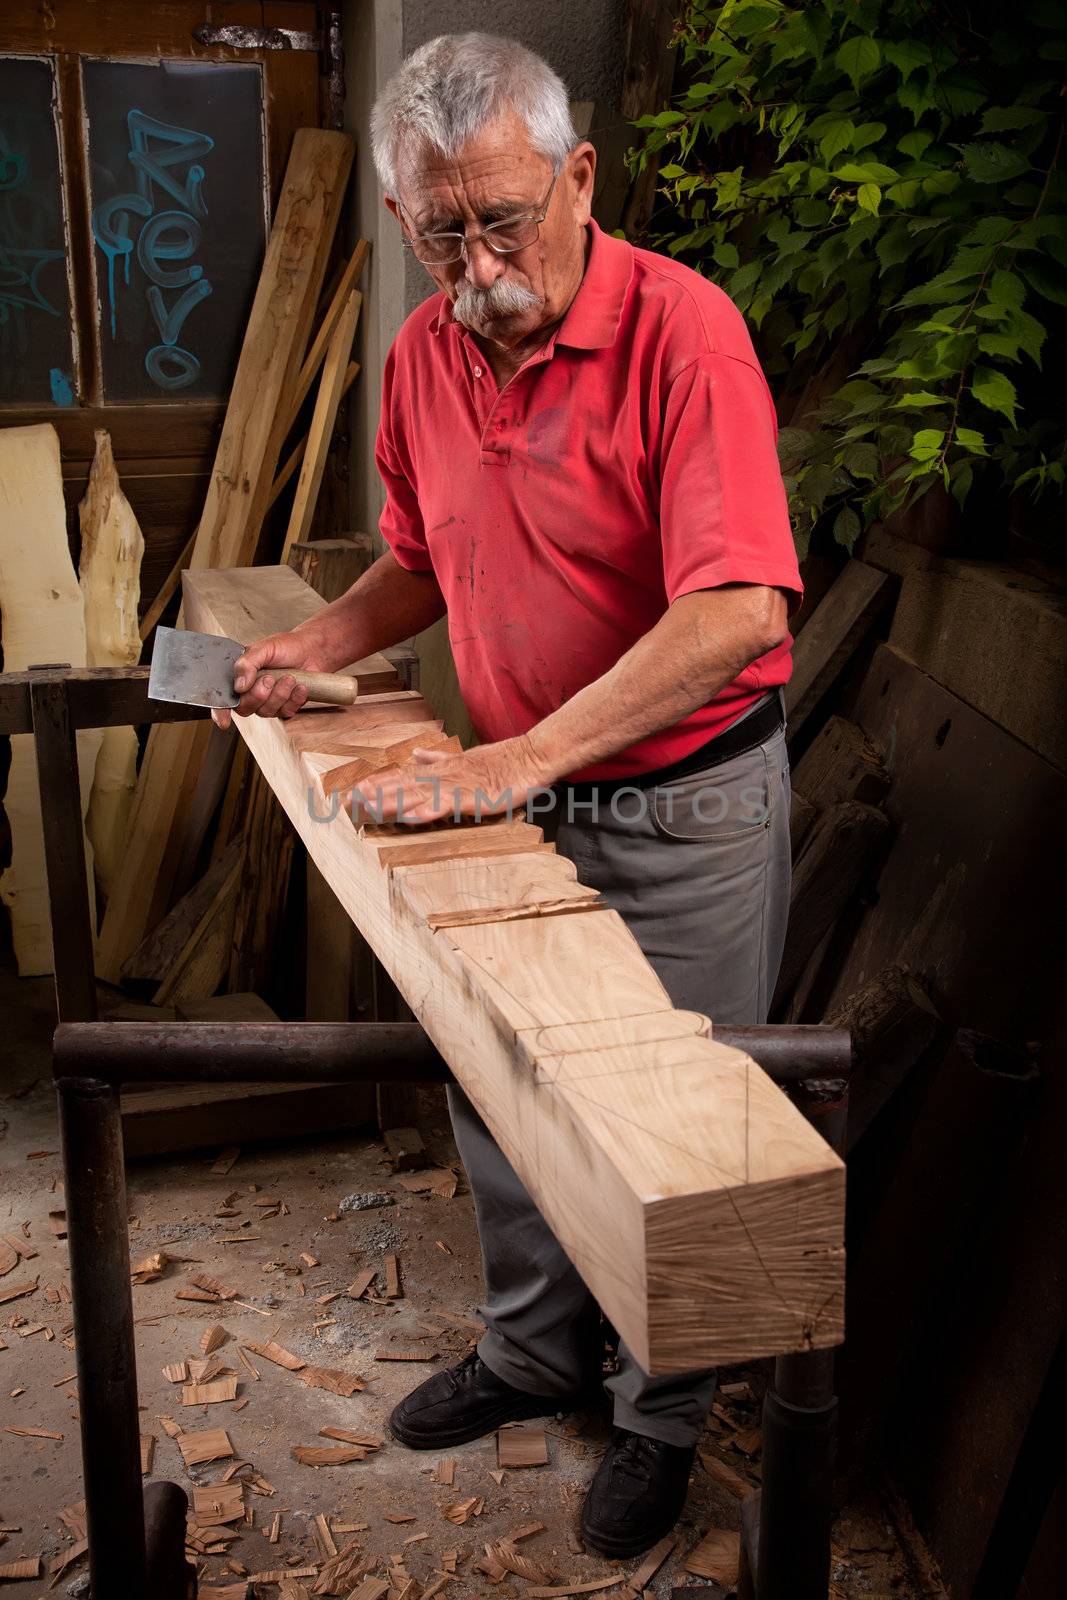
(292, 1278)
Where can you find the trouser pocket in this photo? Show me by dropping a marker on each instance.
(728, 803)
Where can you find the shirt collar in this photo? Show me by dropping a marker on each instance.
(592, 319)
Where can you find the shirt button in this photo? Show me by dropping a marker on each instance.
(477, 372)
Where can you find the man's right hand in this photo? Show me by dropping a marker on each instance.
(274, 694)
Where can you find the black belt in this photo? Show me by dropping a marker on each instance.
(741, 737)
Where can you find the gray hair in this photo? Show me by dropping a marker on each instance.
(453, 86)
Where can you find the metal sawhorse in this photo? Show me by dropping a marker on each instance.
(137, 1535)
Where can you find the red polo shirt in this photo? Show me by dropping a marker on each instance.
(630, 461)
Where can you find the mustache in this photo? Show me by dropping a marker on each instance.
(502, 299)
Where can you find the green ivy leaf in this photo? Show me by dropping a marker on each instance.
(994, 391)
(837, 137)
(992, 163)
(1004, 119)
(862, 460)
(1005, 289)
(661, 119)
(847, 527)
(907, 54)
(869, 197)
(1050, 283)
(999, 344)
(858, 58)
(913, 144)
(672, 170)
(926, 444)
(816, 25)
(940, 291)
(1029, 332)
(867, 133)
(961, 94)
(962, 479)
(919, 398)
(970, 440)
(865, 172)
(918, 97)
(756, 17)
(938, 183)
(904, 194)
(744, 281)
(817, 483)
(857, 389)
(895, 246)
(794, 443)
(990, 230)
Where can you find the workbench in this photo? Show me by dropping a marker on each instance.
(136, 1535)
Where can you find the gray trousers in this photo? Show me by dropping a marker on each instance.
(699, 870)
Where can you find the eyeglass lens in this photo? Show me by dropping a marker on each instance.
(501, 237)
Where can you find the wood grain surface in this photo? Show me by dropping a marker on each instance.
(701, 1209)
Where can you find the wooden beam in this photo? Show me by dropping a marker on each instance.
(321, 342)
(296, 454)
(702, 1210)
(247, 457)
(893, 1023)
(320, 433)
(971, 625)
(841, 763)
(840, 850)
(155, 960)
(827, 641)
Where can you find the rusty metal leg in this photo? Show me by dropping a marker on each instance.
(170, 1575)
(786, 1524)
(95, 1179)
(796, 1496)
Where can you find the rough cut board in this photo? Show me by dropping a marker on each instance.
(109, 572)
(256, 422)
(701, 1209)
(43, 620)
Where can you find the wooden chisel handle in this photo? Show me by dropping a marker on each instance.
(335, 688)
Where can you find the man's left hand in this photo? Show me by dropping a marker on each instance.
(488, 781)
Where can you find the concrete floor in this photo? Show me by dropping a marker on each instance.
(173, 1204)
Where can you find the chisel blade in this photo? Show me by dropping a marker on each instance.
(193, 669)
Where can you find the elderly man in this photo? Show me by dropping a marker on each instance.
(578, 451)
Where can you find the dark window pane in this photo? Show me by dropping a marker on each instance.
(177, 193)
(36, 364)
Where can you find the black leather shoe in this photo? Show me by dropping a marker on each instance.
(465, 1403)
(637, 1495)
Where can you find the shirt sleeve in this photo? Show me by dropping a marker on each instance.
(723, 511)
(401, 520)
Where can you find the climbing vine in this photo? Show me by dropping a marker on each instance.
(880, 187)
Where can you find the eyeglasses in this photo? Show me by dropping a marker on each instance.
(513, 233)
